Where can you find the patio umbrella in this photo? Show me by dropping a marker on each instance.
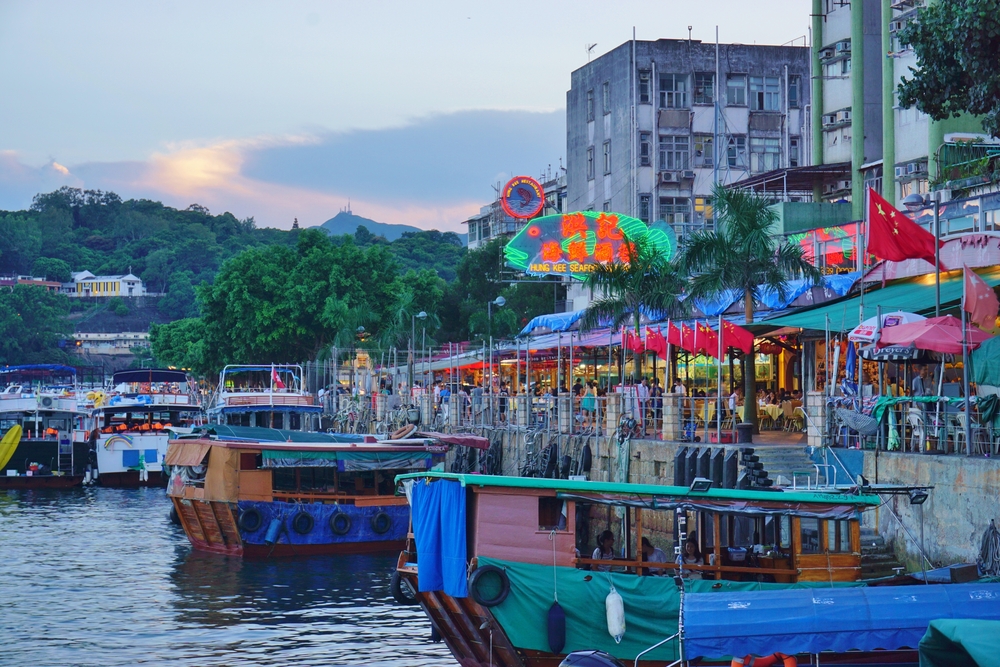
(937, 334)
(867, 331)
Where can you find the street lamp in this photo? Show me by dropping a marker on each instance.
(499, 302)
(413, 337)
(914, 202)
(359, 333)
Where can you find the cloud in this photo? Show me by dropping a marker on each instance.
(432, 173)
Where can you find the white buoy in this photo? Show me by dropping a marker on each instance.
(615, 607)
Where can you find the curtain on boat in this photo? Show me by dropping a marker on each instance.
(438, 511)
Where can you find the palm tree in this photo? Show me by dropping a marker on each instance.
(743, 255)
(648, 284)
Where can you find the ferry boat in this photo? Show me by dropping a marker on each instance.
(271, 396)
(56, 441)
(491, 557)
(137, 418)
(260, 499)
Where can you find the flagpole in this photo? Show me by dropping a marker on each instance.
(965, 368)
(718, 383)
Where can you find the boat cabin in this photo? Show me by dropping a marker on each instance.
(271, 396)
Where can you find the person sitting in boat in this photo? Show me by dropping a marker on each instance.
(651, 554)
(690, 556)
(605, 550)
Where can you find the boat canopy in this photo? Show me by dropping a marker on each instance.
(38, 370)
(960, 642)
(139, 375)
(596, 490)
(835, 619)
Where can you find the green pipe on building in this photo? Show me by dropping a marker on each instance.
(857, 108)
(888, 109)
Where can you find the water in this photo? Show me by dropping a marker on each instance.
(101, 577)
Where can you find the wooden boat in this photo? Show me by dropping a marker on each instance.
(527, 542)
(259, 499)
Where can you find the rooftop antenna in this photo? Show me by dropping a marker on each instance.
(590, 47)
(689, 34)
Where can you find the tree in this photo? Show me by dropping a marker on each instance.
(958, 47)
(742, 255)
(181, 344)
(647, 284)
(52, 269)
(33, 321)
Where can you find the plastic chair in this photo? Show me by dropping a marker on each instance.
(915, 419)
(789, 419)
(981, 441)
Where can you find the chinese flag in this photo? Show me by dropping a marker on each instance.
(893, 236)
(979, 301)
(738, 337)
(674, 335)
(655, 342)
(706, 340)
(633, 342)
(687, 339)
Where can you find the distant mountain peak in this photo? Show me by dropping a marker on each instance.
(346, 222)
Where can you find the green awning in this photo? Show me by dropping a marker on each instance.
(915, 295)
(961, 643)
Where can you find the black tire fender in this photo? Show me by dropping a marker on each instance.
(402, 591)
(551, 463)
(303, 522)
(381, 523)
(251, 520)
(340, 523)
(484, 573)
(586, 459)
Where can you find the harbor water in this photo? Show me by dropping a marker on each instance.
(101, 577)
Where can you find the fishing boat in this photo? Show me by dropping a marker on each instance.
(137, 417)
(56, 423)
(271, 396)
(335, 495)
(503, 568)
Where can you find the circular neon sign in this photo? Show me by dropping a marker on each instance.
(522, 197)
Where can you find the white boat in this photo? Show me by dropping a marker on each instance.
(137, 417)
(265, 396)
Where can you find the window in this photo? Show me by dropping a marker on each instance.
(703, 209)
(794, 85)
(703, 153)
(704, 88)
(674, 152)
(606, 97)
(673, 91)
(809, 535)
(644, 76)
(765, 93)
(765, 154)
(590, 163)
(607, 207)
(645, 149)
(736, 90)
(607, 158)
(793, 151)
(736, 152)
(644, 203)
(675, 209)
(845, 66)
(838, 536)
(590, 105)
(551, 514)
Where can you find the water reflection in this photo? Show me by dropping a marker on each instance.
(100, 577)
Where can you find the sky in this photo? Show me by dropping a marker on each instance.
(412, 111)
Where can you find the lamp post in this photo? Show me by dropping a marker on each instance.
(413, 337)
(913, 203)
(360, 335)
(499, 302)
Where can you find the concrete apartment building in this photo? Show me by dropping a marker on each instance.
(646, 138)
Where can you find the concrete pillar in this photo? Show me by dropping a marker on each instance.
(815, 407)
(671, 417)
(381, 401)
(613, 413)
(888, 112)
(857, 108)
(426, 409)
(455, 411)
(817, 90)
(523, 406)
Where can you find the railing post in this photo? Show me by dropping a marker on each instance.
(613, 413)
(672, 416)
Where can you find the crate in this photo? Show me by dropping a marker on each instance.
(727, 437)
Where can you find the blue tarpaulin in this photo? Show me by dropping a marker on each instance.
(552, 322)
(439, 531)
(835, 619)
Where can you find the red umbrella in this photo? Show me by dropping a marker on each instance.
(937, 334)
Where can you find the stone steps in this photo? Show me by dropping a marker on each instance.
(877, 557)
(788, 464)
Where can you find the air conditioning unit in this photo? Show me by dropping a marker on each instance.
(896, 26)
(669, 177)
(911, 167)
(845, 185)
(900, 172)
(830, 119)
(826, 53)
(921, 168)
(829, 188)
(843, 47)
(689, 174)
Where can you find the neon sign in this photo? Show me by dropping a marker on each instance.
(577, 243)
(522, 197)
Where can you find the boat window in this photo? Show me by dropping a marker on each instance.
(809, 530)
(250, 461)
(838, 536)
(786, 533)
(318, 479)
(294, 421)
(60, 424)
(284, 479)
(551, 514)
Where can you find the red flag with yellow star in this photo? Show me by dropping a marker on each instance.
(893, 236)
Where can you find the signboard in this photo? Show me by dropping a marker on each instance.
(576, 243)
(522, 197)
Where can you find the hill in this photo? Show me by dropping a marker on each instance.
(346, 222)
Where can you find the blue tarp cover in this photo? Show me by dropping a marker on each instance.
(552, 322)
(835, 619)
(439, 531)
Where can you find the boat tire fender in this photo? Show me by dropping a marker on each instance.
(402, 591)
(303, 522)
(550, 464)
(340, 523)
(586, 459)
(479, 579)
(173, 517)
(251, 520)
(381, 523)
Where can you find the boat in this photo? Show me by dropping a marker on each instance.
(490, 556)
(265, 396)
(138, 415)
(57, 427)
(258, 499)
